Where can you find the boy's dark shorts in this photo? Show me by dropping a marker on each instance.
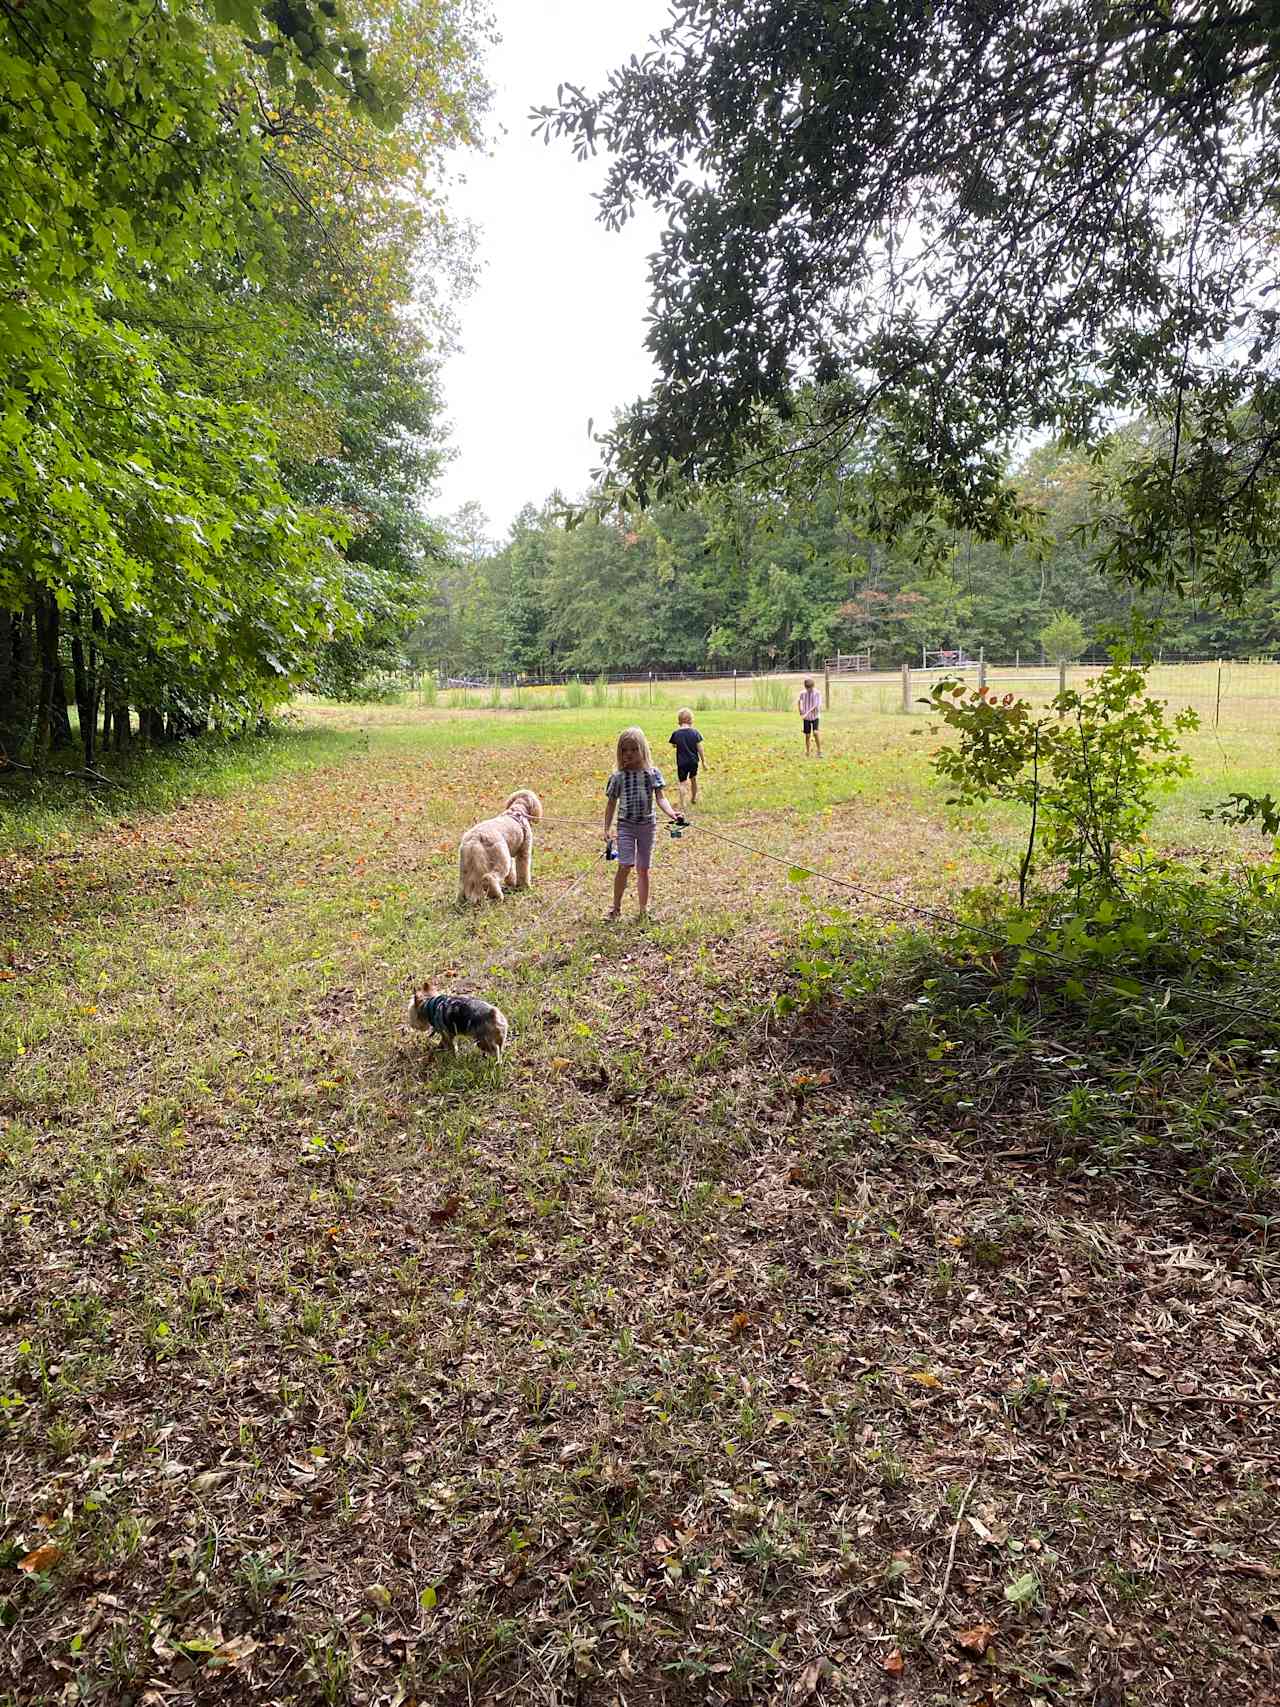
(811, 725)
(685, 771)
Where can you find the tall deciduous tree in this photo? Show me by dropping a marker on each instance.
(926, 229)
(217, 407)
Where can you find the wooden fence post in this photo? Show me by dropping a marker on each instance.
(906, 688)
(735, 690)
(1062, 681)
(982, 668)
(826, 688)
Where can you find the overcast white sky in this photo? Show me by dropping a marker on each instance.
(553, 335)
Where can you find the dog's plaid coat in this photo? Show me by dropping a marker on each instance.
(455, 1016)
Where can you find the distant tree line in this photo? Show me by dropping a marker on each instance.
(731, 580)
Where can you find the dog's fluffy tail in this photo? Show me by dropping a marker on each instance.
(495, 1039)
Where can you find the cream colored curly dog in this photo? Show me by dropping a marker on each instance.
(498, 853)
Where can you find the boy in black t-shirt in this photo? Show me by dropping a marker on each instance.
(689, 755)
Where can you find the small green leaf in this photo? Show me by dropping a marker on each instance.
(1023, 1590)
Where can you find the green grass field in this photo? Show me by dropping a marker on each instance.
(680, 1360)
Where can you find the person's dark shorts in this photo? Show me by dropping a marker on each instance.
(685, 771)
(811, 725)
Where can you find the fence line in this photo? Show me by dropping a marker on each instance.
(1227, 692)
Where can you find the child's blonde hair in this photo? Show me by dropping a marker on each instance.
(684, 715)
(635, 737)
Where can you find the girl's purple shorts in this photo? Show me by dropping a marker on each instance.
(635, 842)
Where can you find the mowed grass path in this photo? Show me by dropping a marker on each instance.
(662, 1365)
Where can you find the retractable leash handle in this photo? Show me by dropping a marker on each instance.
(610, 848)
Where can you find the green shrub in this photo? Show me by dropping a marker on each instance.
(600, 691)
(575, 694)
(1063, 637)
(374, 690)
(429, 690)
(1241, 809)
(1087, 769)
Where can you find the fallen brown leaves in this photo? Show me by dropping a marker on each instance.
(649, 1371)
(975, 1641)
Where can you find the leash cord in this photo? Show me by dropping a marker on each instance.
(1082, 974)
(938, 915)
(537, 924)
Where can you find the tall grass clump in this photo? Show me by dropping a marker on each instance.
(458, 699)
(495, 694)
(600, 690)
(428, 689)
(575, 694)
(703, 702)
(768, 693)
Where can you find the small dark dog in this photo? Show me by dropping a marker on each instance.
(452, 1017)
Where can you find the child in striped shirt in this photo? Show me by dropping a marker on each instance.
(809, 705)
(633, 791)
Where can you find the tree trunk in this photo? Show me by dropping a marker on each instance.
(48, 623)
(86, 697)
(8, 684)
(59, 713)
(17, 682)
(95, 676)
(115, 720)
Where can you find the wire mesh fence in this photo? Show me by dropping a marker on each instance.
(1226, 692)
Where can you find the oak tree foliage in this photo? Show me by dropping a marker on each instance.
(904, 236)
